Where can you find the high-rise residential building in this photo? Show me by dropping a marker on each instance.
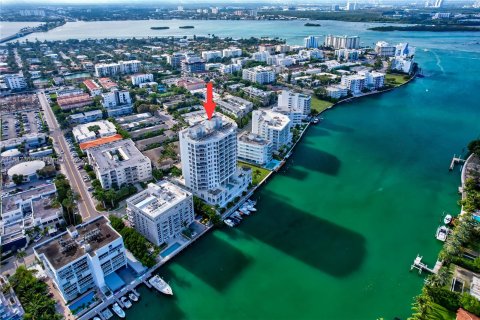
(342, 42)
(355, 83)
(211, 55)
(373, 79)
(311, 42)
(161, 211)
(15, 81)
(175, 59)
(209, 161)
(116, 68)
(119, 163)
(232, 52)
(82, 257)
(260, 75)
(254, 148)
(117, 102)
(272, 126)
(347, 54)
(295, 100)
(294, 105)
(193, 64)
(384, 49)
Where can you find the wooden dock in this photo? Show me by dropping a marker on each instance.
(455, 160)
(420, 266)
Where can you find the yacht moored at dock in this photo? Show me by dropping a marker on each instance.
(127, 303)
(119, 311)
(132, 296)
(158, 283)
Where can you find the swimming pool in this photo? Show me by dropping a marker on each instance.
(476, 218)
(170, 249)
(272, 164)
(82, 303)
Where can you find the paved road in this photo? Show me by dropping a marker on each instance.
(86, 207)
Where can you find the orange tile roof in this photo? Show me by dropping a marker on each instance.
(100, 141)
(465, 315)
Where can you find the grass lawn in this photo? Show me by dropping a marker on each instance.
(320, 105)
(440, 313)
(396, 79)
(257, 176)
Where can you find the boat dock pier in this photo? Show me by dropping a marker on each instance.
(420, 266)
(455, 160)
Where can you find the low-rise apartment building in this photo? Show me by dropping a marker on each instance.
(235, 106)
(82, 257)
(253, 148)
(119, 163)
(161, 211)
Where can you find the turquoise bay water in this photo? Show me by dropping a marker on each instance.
(337, 229)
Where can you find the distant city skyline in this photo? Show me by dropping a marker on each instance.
(221, 2)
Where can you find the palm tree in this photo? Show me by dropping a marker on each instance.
(21, 255)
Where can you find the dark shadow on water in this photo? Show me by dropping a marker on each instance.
(218, 265)
(318, 132)
(295, 173)
(313, 159)
(152, 304)
(328, 125)
(319, 243)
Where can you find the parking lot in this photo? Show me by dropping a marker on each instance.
(17, 124)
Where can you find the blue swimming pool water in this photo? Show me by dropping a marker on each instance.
(477, 218)
(272, 164)
(170, 249)
(86, 300)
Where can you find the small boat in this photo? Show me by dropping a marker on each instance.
(251, 208)
(251, 202)
(447, 219)
(127, 303)
(237, 215)
(235, 220)
(132, 296)
(229, 223)
(160, 284)
(315, 120)
(119, 311)
(442, 233)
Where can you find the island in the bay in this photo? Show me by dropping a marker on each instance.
(159, 28)
(310, 24)
(186, 27)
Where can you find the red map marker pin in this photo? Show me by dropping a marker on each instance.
(209, 105)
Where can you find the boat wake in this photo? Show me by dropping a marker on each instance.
(439, 62)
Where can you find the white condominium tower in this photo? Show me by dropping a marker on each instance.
(161, 211)
(209, 161)
(272, 126)
(342, 42)
(294, 105)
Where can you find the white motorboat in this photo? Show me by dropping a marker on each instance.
(251, 208)
(229, 223)
(127, 303)
(447, 219)
(160, 284)
(442, 233)
(132, 296)
(119, 311)
(251, 202)
(245, 210)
